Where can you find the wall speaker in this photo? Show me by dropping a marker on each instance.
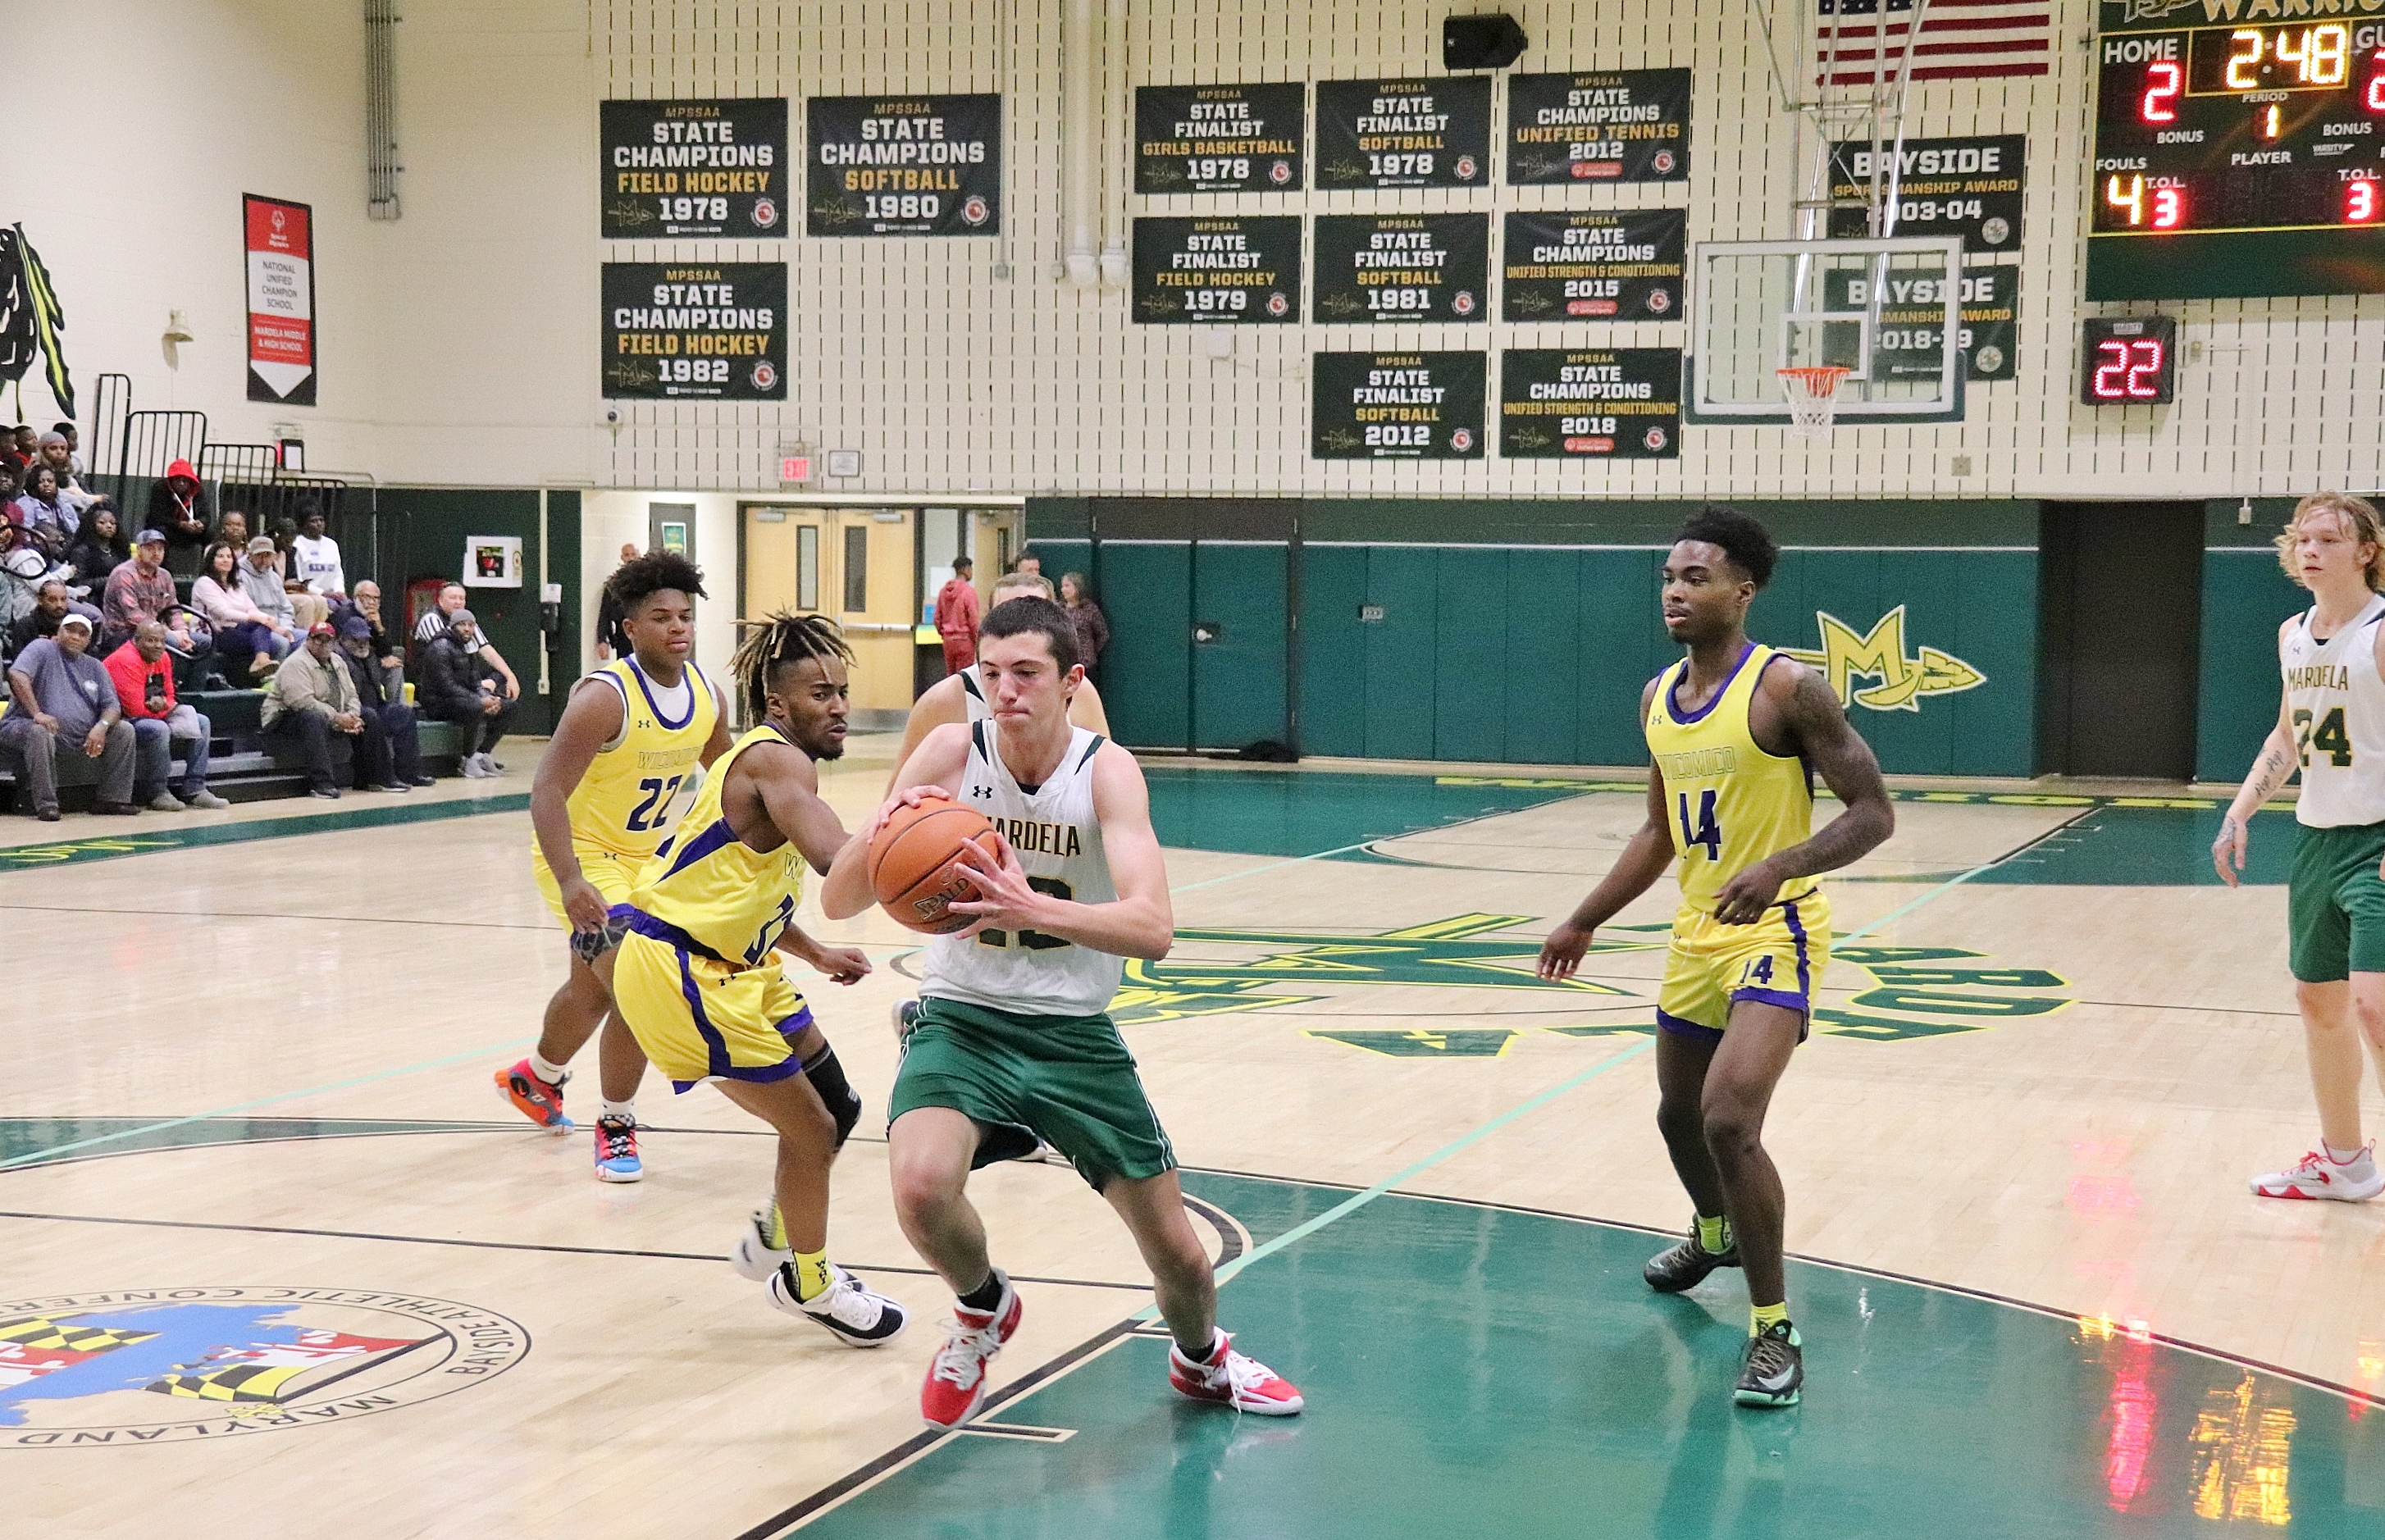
(1480, 42)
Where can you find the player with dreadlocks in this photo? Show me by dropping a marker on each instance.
(699, 980)
(634, 737)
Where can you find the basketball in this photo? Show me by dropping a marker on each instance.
(912, 863)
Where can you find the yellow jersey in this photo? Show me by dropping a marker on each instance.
(1729, 803)
(708, 892)
(624, 805)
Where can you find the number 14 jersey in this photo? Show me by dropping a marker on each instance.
(2337, 704)
(1729, 803)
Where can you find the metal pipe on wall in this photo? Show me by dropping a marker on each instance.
(1080, 141)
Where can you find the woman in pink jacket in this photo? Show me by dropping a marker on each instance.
(239, 626)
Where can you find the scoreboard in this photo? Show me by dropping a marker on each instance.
(2237, 159)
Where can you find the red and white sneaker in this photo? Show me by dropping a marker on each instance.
(538, 1101)
(955, 1388)
(1232, 1379)
(2319, 1175)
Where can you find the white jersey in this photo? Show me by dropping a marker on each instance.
(1059, 843)
(973, 695)
(2336, 701)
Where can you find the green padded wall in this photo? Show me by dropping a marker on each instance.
(1241, 680)
(1147, 673)
(2245, 594)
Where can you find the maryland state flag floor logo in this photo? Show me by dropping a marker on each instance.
(172, 1365)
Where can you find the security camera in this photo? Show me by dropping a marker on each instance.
(612, 417)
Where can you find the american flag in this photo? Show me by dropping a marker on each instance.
(1961, 39)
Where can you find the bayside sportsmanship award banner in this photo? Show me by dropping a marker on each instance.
(1614, 125)
(1590, 403)
(681, 168)
(1403, 267)
(679, 330)
(904, 166)
(1397, 406)
(1618, 265)
(1218, 270)
(1967, 187)
(1219, 138)
(281, 238)
(1910, 343)
(1403, 133)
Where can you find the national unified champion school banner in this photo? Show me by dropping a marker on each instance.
(281, 238)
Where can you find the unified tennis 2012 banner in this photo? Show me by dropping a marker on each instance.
(714, 168)
(281, 238)
(695, 330)
(903, 165)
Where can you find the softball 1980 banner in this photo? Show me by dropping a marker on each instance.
(701, 169)
(1590, 403)
(1619, 265)
(1221, 269)
(1219, 138)
(904, 165)
(1403, 133)
(1615, 125)
(701, 330)
(1397, 406)
(1403, 267)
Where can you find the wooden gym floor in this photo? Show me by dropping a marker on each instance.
(281, 1264)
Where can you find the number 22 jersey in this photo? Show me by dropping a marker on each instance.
(624, 805)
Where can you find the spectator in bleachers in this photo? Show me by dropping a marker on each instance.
(260, 579)
(143, 676)
(177, 505)
(74, 449)
(138, 590)
(25, 445)
(233, 530)
(432, 627)
(191, 645)
(47, 516)
(12, 482)
(60, 695)
(59, 456)
(311, 698)
(50, 604)
(314, 556)
(460, 686)
(244, 635)
(364, 602)
(99, 546)
(389, 753)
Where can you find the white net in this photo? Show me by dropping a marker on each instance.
(1813, 395)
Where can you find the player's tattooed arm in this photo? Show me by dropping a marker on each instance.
(2280, 756)
(1817, 725)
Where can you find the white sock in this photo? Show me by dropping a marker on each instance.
(625, 1111)
(2343, 1157)
(547, 1072)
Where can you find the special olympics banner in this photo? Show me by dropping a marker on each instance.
(281, 300)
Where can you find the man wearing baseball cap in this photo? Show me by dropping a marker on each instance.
(60, 695)
(310, 699)
(138, 590)
(389, 751)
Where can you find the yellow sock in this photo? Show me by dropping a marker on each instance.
(1763, 1317)
(811, 1275)
(1714, 1235)
(777, 1228)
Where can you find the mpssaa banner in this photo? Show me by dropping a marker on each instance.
(1432, 132)
(1403, 267)
(1397, 406)
(1590, 403)
(713, 168)
(1612, 265)
(687, 330)
(1219, 138)
(904, 165)
(281, 301)
(1218, 270)
(1608, 125)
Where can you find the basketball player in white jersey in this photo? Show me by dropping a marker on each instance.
(2331, 727)
(1012, 1042)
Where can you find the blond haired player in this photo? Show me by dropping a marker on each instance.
(1731, 729)
(2331, 727)
(627, 755)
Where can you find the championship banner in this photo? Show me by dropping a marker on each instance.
(281, 300)
(1403, 133)
(1622, 265)
(1590, 403)
(1616, 125)
(1218, 270)
(1966, 187)
(904, 166)
(1403, 267)
(695, 330)
(1907, 341)
(714, 168)
(1397, 406)
(1219, 138)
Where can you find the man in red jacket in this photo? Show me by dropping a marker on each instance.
(957, 618)
(144, 688)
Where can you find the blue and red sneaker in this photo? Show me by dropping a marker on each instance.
(616, 1152)
(538, 1101)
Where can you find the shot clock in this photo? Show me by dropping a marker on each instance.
(2128, 363)
(2239, 160)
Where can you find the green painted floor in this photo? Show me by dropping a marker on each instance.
(2149, 847)
(1308, 813)
(1474, 1372)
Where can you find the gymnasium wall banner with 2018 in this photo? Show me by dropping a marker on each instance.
(695, 331)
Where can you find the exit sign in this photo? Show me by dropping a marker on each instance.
(794, 469)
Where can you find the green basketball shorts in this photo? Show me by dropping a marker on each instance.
(2335, 905)
(1068, 1079)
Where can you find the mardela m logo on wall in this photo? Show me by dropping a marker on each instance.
(1879, 654)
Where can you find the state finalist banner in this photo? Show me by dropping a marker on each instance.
(904, 165)
(713, 168)
(1218, 270)
(1431, 132)
(1590, 403)
(701, 330)
(1219, 138)
(281, 300)
(1403, 267)
(1397, 406)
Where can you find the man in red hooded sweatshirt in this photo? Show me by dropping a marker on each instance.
(957, 618)
(177, 505)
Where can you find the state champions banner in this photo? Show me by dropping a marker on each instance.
(281, 250)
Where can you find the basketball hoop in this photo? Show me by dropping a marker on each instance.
(1813, 393)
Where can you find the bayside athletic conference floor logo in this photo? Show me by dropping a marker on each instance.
(172, 1365)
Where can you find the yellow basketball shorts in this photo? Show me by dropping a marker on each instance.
(1711, 966)
(613, 876)
(700, 1020)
